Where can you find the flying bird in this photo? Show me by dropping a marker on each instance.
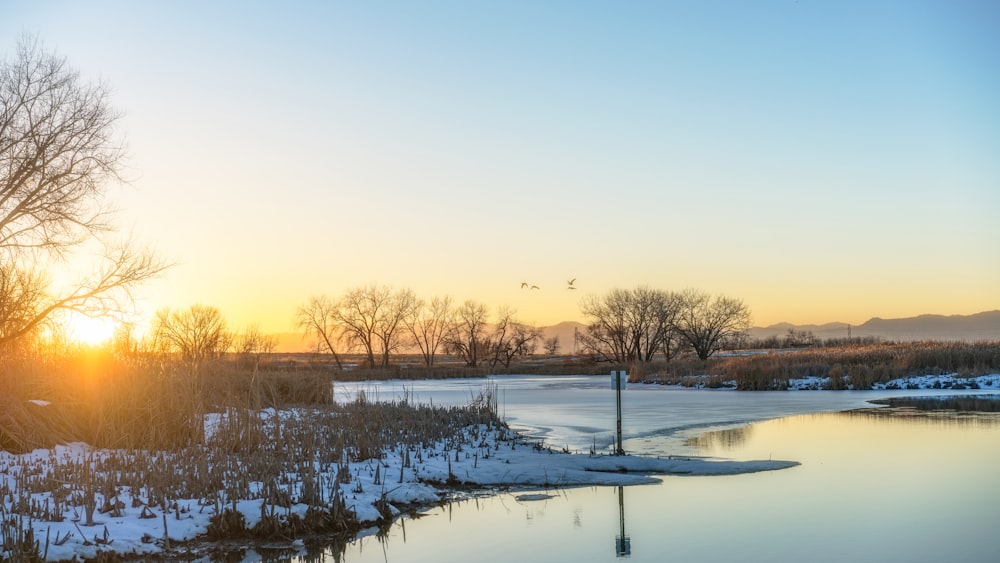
(569, 284)
(524, 285)
(535, 287)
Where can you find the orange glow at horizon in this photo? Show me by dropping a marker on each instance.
(92, 331)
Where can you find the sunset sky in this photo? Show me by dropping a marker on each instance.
(822, 161)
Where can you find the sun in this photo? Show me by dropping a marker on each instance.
(92, 331)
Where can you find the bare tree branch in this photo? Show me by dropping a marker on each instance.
(198, 333)
(318, 318)
(430, 326)
(630, 325)
(58, 152)
(468, 339)
(706, 322)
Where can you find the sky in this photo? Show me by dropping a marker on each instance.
(821, 161)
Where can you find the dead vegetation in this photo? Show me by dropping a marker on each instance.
(846, 367)
(163, 436)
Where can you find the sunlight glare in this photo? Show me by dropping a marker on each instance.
(92, 331)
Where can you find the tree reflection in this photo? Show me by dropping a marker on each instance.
(727, 439)
(940, 417)
(958, 403)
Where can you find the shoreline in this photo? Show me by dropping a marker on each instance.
(478, 460)
(378, 492)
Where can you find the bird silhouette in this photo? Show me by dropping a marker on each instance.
(569, 284)
(524, 285)
(535, 287)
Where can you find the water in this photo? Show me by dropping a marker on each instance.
(869, 488)
(579, 411)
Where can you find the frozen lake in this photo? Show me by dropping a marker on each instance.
(579, 411)
(868, 488)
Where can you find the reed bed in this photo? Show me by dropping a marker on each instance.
(91, 396)
(846, 367)
(279, 457)
(162, 435)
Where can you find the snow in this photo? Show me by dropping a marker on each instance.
(922, 382)
(484, 458)
(493, 461)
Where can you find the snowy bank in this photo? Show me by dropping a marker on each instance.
(916, 383)
(375, 490)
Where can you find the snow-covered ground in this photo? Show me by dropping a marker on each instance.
(922, 382)
(918, 383)
(481, 458)
(555, 416)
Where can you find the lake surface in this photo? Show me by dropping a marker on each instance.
(870, 487)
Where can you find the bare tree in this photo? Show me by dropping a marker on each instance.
(429, 324)
(251, 345)
(22, 294)
(673, 344)
(371, 317)
(198, 333)
(390, 321)
(357, 312)
(318, 318)
(630, 325)
(652, 314)
(551, 345)
(799, 339)
(469, 339)
(57, 155)
(606, 335)
(706, 322)
(511, 338)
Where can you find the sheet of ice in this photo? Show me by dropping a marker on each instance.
(578, 412)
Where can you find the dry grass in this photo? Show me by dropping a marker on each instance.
(150, 417)
(855, 367)
(297, 456)
(94, 397)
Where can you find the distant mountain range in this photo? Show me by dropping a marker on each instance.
(980, 326)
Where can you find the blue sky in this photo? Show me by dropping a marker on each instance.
(822, 161)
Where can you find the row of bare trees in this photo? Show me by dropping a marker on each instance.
(633, 325)
(379, 321)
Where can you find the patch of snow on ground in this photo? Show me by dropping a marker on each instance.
(949, 381)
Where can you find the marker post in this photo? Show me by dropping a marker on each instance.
(618, 381)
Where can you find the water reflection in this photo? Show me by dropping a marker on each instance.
(982, 403)
(900, 488)
(623, 543)
(725, 442)
(911, 415)
(722, 439)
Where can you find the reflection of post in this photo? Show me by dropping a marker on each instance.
(623, 543)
